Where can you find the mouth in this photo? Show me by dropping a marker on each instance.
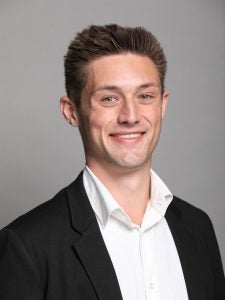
(127, 137)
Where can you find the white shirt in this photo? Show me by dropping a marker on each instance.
(144, 257)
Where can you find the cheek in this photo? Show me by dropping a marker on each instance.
(101, 120)
(153, 116)
(95, 128)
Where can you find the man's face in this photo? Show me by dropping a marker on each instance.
(121, 111)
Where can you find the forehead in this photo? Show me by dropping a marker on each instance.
(122, 69)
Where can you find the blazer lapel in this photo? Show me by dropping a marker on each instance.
(90, 246)
(187, 250)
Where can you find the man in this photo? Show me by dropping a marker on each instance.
(116, 232)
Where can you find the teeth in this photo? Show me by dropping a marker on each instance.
(129, 136)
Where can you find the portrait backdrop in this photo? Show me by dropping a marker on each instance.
(40, 153)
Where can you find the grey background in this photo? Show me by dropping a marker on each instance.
(40, 153)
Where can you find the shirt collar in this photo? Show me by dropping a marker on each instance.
(161, 196)
(104, 205)
(100, 198)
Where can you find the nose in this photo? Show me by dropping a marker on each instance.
(129, 113)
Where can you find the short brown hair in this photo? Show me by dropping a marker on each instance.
(97, 41)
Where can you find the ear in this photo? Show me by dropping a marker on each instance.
(69, 111)
(165, 98)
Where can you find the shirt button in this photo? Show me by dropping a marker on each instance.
(151, 285)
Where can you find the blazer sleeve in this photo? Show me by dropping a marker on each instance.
(217, 266)
(18, 277)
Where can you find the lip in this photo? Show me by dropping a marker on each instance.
(128, 137)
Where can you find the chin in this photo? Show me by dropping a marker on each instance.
(131, 163)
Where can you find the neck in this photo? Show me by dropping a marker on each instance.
(129, 187)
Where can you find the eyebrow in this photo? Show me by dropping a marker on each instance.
(117, 88)
(150, 84)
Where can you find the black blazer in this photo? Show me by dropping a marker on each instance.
(56, 252)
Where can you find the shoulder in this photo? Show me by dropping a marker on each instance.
(190, 215)
(51, 217)
(43, 234)
(186, 207)
(51, 222)
(191, 223)
(43, 220)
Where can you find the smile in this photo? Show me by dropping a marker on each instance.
(127, 135)
(127, 138)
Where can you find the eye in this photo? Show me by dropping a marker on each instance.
(108, 100)
(145, 97)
